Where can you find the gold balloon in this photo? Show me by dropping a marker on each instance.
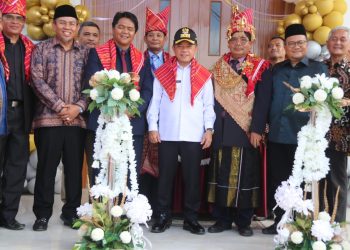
(308, 3)
(304, 11)
(308, 35)
(341, 6)
(48, 29)
(312, 9)
(333, 19)
(280, 30)
(45, 18)
(33, 16)
(51, 13)
(81, 20)
(291, 19)
(298, 7)
(78, 9)
(321, 35)
(312, 21)
(35, 32)
(280, 23)
(62, 2)
(51, 4)
(44, 10)
(324, 6)
(31, 3)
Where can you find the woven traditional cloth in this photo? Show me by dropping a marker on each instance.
(28, 45)
(241, 21)
(157, 22)
(13, 7)
(107, 54)
(166, 74)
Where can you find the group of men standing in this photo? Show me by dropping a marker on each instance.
(186, 109)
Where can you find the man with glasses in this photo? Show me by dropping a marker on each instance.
(241, 107)
(15, 53)
(57, 69)
(338, 136)
(285, 124)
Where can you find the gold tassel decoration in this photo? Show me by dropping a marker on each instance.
(335, 208)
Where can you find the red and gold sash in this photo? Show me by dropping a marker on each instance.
(28, 45)
(232, 91)
(166, 74)
(252, 68)
(107, 54)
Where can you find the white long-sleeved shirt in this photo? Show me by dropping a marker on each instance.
(178, 120)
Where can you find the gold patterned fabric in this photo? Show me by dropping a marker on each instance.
(230, 90)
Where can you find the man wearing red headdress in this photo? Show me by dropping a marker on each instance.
(155, 38)
(15, 54)
(241, 107)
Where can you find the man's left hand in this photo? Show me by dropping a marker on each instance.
(69, 113)
(255, 139)
(207, 139)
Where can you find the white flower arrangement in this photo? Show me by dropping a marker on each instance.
(112, 220)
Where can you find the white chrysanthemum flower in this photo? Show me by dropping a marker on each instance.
(101, 190)
(334, 80)
(93, 94)
(297, 237)
(319, 245)
(116, 211)
(322, 230)
(284, 233)
(306, 82)
(83, 229)
(100, 75)
(138, 210)
(117, 93)
(97, 234)
(322, 79)
(85, 210)
(125, 78)
(337, 93)
(304, 206)
(288, 194)
(324, 216)
(134, 95)
(125, 236)
(328, 84)
(320, 95)
(298, 98)
(113, 74)
(335, 246)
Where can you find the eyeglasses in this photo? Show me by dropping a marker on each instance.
(341, 39)
(297, 43)
(13, 18)
(241, 40)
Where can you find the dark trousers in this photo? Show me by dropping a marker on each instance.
(148, 186)
(190, 153)
(89, 149)
(53, 143)
(280, 158)
(336, 177)
(14, 148)
(226, 215)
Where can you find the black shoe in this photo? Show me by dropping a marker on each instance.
(68, 221)
(270, 230)
(219, 227)
(245, 231)
(193, 226)
(13, 225)
(161, 224)
(40, 224)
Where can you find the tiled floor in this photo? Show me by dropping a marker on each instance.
(60, 237)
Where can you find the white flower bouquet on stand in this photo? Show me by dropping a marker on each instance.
(113, 219)
(303, 227)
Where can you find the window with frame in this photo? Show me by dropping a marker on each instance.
(215, 28)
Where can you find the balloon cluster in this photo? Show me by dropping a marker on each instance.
(318, 18)
(40, 15)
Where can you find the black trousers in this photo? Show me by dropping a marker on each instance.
(280, 158)
(226, 215)
(53, 143)
(89, 149)
(336, 177)
(190, 153)
(14, 148)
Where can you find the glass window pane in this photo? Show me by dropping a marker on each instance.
(162, 5)
(214, 30)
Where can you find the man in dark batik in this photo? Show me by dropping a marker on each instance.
(339, 134)
(241, 107)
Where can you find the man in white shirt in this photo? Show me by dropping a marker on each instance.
(181, 118)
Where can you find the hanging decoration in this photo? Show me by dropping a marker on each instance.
(40, 14)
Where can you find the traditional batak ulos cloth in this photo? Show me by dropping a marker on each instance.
(234, 176)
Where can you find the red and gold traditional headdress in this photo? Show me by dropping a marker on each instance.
(13, 7)
(241, 22)
(158, 22)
